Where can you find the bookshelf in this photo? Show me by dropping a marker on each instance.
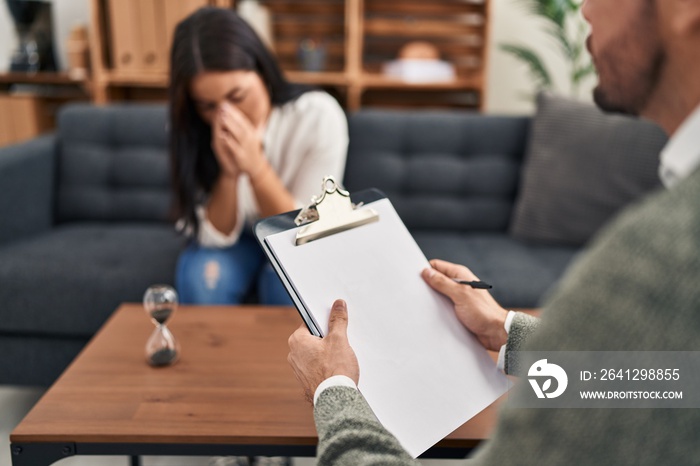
(372, 33)
(129, 42)
(29, 102)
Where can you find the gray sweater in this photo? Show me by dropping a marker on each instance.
(637, 288)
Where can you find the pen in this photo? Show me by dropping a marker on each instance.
(474, 284)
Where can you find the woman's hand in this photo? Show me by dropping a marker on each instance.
(223, 144)
(242, 140)
(237, 143)
(475, 309)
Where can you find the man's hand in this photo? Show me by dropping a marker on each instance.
(476, 309)
(315, 359)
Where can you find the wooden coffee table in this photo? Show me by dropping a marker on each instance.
(231, 393)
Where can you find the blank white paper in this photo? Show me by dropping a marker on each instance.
(421, 371)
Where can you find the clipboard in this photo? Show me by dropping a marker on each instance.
(422, 373)
(331, 192)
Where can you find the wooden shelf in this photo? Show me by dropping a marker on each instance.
(357, 36)
(33, 100)
(318, 78)
(157, 80)
(42, 77)
(419, 28)
(130, 41)
(409, 8)
(378, 81)
(161, 80)
(367, 80)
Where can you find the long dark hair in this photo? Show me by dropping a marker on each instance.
(211, 39)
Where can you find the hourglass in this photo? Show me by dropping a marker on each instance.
(160, 302)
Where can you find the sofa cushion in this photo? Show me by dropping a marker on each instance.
(27, 173)
(441, 170)
(36, 360)
(581, 167)
(68, 281)
(521, 273)
(113, 163)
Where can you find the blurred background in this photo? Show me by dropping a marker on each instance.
(486, 55)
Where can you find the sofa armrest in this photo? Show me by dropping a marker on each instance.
(27, 178)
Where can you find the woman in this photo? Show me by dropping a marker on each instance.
(245, 144)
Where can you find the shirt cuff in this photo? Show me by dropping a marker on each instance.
(509, 321)
(501, 362)
(335, 381)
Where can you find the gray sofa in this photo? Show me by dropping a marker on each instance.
(84, 226)
(453, 179)
(84, 217)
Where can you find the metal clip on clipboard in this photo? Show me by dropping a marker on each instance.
(331, 213)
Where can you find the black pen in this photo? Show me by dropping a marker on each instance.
(474, 284)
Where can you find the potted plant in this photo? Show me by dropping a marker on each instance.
(562, 24)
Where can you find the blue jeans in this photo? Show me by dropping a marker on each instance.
(226, 276)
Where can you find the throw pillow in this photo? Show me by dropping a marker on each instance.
(581, 167)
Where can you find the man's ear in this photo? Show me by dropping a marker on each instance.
(686, 16)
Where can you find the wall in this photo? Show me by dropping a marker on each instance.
(7, 37)
(508, 79)
(66, 14)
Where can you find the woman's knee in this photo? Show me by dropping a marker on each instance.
(270, 288)
(209, 276)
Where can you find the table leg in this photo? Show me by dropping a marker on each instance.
(40, 454)
(135, 460)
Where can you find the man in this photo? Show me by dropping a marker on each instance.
(637, 288)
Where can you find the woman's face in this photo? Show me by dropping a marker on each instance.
(243, 89)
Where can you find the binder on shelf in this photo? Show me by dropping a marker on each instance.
(422, 373)
(124, 31)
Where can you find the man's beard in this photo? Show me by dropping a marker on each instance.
(632, 95)
(630, 71)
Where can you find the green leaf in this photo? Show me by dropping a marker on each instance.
(555, 11)
(575, 6)
(567, 48)
(538, 71)
(583, 72)
(567, 36)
